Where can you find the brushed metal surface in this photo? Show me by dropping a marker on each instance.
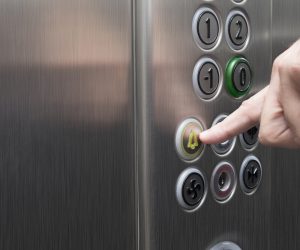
(285, 163)
(165, 57)
(66, 123)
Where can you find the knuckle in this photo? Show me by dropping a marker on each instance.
(264, 137)
(279, 64)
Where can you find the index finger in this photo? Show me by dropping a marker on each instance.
(245, 117)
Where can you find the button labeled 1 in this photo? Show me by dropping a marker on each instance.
(188, 144)
(206, 78)
(206, 28)
(238, 76)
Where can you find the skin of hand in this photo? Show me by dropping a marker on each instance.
(276, 108)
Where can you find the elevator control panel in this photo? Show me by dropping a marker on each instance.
(210, 78)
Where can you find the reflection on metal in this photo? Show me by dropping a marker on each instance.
(67, 72)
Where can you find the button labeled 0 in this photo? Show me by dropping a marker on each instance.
(238, 76)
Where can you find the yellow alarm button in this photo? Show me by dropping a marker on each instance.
(188, 144)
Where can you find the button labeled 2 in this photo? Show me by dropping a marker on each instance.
(206, 78)
(188, 144)
(238, 76)
(237, 30)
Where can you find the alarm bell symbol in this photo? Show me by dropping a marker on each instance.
(193, 140)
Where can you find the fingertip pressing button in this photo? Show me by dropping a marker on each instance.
(188, 144)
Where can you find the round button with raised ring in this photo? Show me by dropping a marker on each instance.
(223, 182)
(188, 144)
(207, 78)
(206, 28)
(238, 76)
(250, 174)
(191, 189)
(226, 245)
(224, 148)
(249, 139)
(237, 30)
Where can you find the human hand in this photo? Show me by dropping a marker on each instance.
(276, 108)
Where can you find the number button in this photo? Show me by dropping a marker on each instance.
(206, 78)
(242, 77)
(238, 76)
(237, 33)
(206, 28)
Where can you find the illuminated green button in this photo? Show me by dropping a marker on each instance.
(238, 76)
(188, 144)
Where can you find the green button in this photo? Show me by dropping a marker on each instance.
(238, 76)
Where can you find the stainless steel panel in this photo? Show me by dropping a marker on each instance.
(67, 127)
(165, 58)
(285, 170)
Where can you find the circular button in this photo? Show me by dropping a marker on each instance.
(206, 78)
(226, 245)
(206, 28)
(226, 147)
(223, 182)
(238, 1)
(237, 32)
(249, 139)
(187, 141)
(238, 76)
(191, 189)
(250, 174)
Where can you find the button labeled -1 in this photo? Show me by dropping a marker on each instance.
(206, 78)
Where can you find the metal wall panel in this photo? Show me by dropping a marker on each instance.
(166, 55)
(67, 127)
(285, 163)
